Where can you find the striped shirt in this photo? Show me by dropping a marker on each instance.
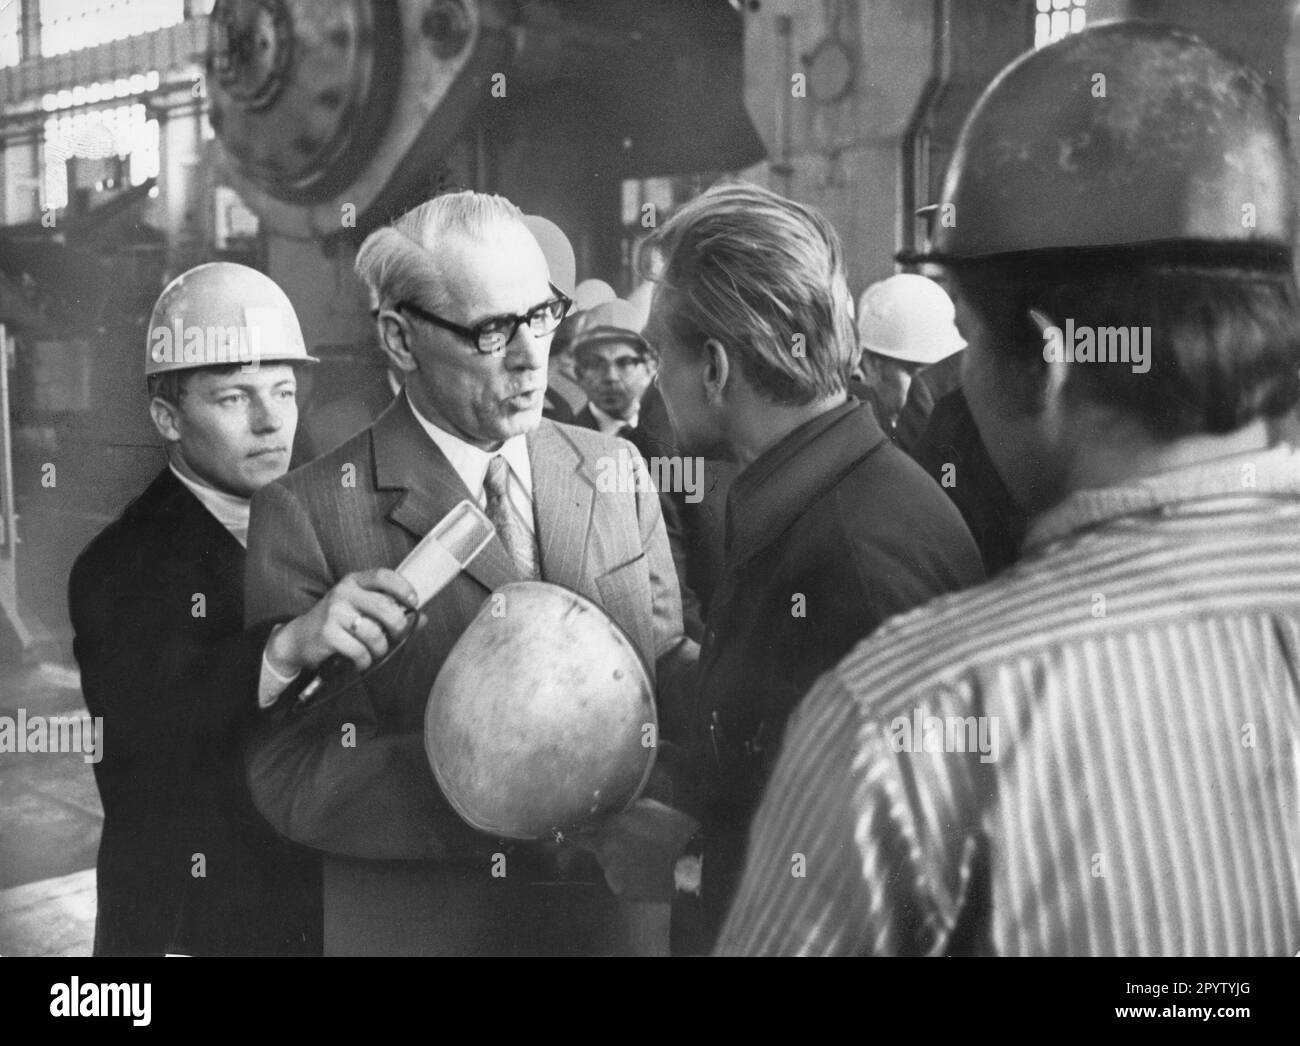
(1096, 753)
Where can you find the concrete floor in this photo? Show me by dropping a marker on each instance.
(50, 820)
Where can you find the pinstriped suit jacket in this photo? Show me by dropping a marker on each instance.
(365, 505)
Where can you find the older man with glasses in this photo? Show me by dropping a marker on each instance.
(466, 311)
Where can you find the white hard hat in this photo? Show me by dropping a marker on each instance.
(590, 293)
(221, 314)
(910, 318)
(557, 249)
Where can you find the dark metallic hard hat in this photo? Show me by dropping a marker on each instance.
(542, 718)
(1125, 134)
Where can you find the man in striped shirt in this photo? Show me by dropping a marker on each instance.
(1098, 752)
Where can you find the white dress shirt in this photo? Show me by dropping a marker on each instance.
(471, 462)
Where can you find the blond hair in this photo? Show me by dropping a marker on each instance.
(764, 276)
(395, 262)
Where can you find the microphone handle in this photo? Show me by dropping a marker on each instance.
(337, 665)
(331, 668)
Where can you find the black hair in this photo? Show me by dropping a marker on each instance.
(1224, 338)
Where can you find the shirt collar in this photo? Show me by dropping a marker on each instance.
(1255, 475)
(471, 462)
(608, 423)
(230, 511)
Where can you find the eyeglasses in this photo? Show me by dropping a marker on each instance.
(492, 335)
(599, 365)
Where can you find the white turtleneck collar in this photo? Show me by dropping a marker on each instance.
(230, 511)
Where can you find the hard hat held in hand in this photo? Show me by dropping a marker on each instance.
(542, 718)
(221, 314)
(1127, 133)
(910, 318)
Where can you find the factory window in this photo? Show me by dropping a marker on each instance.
(11, 50)
(69, 25)
(123, 131)
(1058, 18)
(140, 83)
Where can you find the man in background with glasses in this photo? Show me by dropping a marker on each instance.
(615, 367)
(466, 311)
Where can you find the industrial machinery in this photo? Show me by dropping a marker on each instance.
(337, 114)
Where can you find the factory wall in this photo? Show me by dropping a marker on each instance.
(840, 154)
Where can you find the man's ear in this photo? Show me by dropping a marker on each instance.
(1049, 379)
(395, 339)
(717, 369)
(166, 419)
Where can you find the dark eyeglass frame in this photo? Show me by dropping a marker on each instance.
(474, 335)
(622, 365)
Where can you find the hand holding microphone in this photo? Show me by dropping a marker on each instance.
(357, 622)
(353, 621)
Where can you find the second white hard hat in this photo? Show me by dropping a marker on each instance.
(910, 318)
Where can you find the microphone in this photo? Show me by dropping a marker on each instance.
(439, 557)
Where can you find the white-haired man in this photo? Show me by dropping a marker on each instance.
(466, 313)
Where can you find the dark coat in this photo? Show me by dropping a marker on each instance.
(157, 608)
(929, 386)
(953, 453)
(403, 873)
(584, 418)
(829, 533)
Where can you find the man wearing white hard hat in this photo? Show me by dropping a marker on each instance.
(905, 324)
(186, 865)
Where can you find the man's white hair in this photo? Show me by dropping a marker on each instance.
(396, 262)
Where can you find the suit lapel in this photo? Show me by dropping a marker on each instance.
(564, 496)
(407, 460)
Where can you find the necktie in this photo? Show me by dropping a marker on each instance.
(510, 528)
